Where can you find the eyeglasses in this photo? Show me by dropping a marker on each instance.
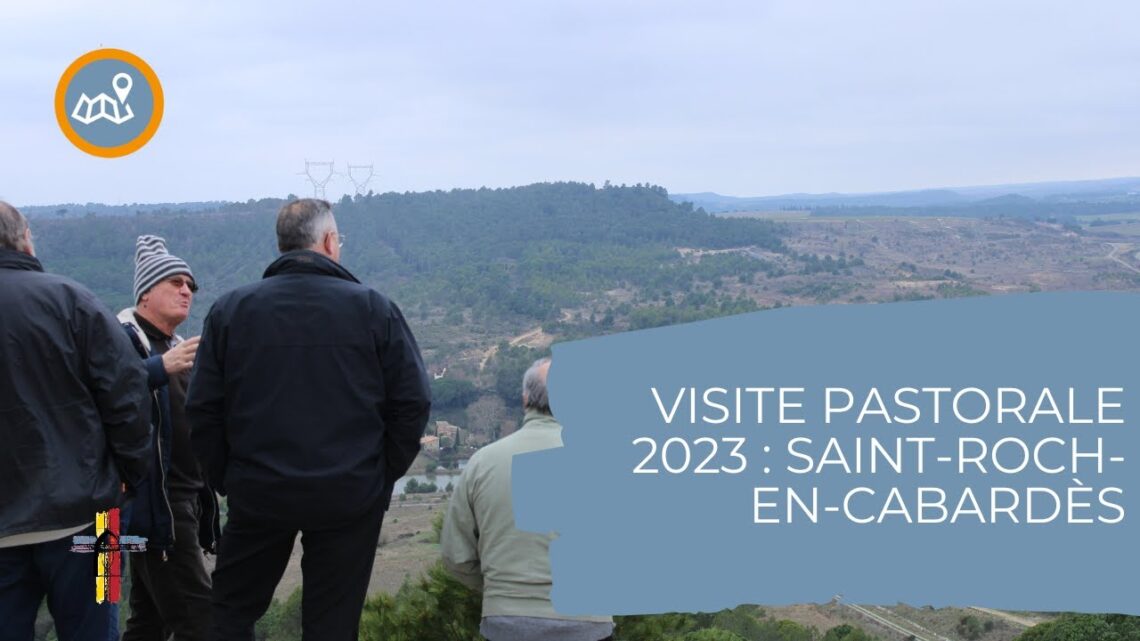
(340, 236)
(178, 282)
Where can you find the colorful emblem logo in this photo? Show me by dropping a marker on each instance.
(108, 546)
(109, 103)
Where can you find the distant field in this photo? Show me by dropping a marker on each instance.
(1124, 230)
(1128, 216)
(805, 216)
(767, 215)
(1124, 224)
(802, 216)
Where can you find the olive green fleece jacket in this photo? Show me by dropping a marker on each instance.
(480, 543)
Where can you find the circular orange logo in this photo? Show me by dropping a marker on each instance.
(109, 103)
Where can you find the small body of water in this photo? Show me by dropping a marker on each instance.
(441, 478)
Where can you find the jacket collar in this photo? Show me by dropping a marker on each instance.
(134, 321)
(304, 261)
(127, 318)
(151, 330)
(538, 419)
(12, 259)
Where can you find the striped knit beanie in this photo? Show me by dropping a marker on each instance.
(153, 264)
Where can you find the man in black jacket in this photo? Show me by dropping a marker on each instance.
(307, 401)
(175, 510)
(74, 419)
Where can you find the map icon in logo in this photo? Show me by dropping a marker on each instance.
(109, 103)
(85, 108)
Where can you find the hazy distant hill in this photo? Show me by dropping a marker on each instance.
(1058, 199)
(716, 203)
(76, 210)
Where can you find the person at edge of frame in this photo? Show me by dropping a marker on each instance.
(75, 422)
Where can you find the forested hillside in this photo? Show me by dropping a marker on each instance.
(470, 268)
(527, 251)
(532, 251)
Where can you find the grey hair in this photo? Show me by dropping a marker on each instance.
(534, 388)
(13, 227)
(302, 223)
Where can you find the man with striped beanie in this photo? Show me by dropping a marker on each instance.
(175, 510)
(153, 264)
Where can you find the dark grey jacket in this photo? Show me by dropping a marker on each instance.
(308, 397)
(74, 406)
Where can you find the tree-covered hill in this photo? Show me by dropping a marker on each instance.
(523, 253)
(531, 251)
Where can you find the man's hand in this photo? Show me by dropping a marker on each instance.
(180, 357)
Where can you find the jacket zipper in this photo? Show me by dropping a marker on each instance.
(215, 521)
(162, 472)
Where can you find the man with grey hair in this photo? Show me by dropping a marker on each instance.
(484, 550)
(307, 402)
(75, 421)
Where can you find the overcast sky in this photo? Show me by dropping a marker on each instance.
(742, 98)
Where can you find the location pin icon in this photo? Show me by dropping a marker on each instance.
(122, 83)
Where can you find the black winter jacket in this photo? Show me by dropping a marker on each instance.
(74, 408)
(308, 397)
(152, 516)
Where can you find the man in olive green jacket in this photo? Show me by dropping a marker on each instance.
(484, 550)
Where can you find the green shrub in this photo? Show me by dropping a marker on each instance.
(1085, 627)
(282, 621)
(969, 627)
(434, 607)
(712, 634)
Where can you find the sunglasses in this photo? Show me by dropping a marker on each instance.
(179, 281)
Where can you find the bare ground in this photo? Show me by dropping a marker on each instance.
(930, 623)
(404, 549)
